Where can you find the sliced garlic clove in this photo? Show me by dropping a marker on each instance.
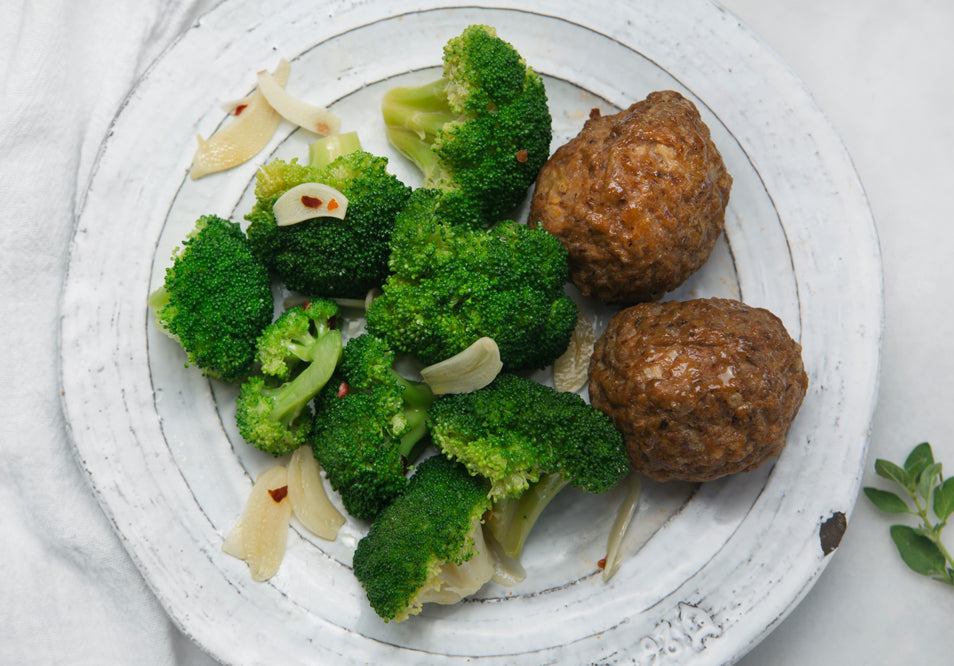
(236, 106)
(571, 369)
(624, 516)
(310, 117)
(308, 201)
(471, 369)
(310, 503)
(244, 137)
(261, 534)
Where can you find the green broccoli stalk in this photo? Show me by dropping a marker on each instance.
(427, 545)
(215, 300)
(298, 354)
(529, 441)
(370, 425)
(480, 132)
(450, 286)
(325, 256)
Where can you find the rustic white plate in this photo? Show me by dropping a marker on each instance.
(710, 570)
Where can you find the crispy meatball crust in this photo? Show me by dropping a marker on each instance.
(699, 388)
(638, 198)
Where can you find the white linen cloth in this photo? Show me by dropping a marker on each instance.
(69, 592)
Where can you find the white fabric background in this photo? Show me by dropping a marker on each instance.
(70, 595)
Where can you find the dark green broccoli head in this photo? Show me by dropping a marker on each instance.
(434, 522)
(480, 132)
(298, 353)
(369, 427)
(515, 430)
(326, 256)
(216, 299)
(450, 286)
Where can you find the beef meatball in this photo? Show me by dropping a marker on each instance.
(638, 198)
(700, 388)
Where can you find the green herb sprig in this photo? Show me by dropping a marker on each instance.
(922, 479)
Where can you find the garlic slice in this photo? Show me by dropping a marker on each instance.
(571, 369)
(310, 503)
(241, 139)
(310, 117)
(471, 369)
(308, 201)
(261, 534)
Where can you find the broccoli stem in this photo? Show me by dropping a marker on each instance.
(414, 116)
(423, 108)
(513, 518)
(413, 438)
(416, 395)
(327, 149)
(409, 144)
(291, 397)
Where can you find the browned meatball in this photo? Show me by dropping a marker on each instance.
(638, 198)
(700, 388)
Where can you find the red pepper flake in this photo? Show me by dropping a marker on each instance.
(522, 156)
(333, 204)
(278, 494)
(343, 389)
(602, 563)
(239, 109)
(310, 202)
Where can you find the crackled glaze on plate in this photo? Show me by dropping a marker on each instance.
(710, 569)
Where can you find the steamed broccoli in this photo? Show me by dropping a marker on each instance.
(215, 300)
(325, 256)
(369, 426)
(298, 353)
(480, 132)
(427, 545)
(529, 441)
(450, 286)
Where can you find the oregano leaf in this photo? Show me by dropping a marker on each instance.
(889, 470)
(920, 553)
(886, 501)
(944, 499)
(919, 458)
(927, 480)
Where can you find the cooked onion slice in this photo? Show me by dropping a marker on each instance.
(309, 500)
(471, 369)
(261, 533)
(624, 516)
(307, 201)
(571, 369)
(242, 138)
(313, 118)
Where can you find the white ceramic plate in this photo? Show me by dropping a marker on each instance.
(710, 570)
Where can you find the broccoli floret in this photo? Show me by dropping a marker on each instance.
(325, 256)
(450, 286)
(480, 132)
(215, 300)
(298, 353)
(369, 427)
(429, 535)
(529, 441)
